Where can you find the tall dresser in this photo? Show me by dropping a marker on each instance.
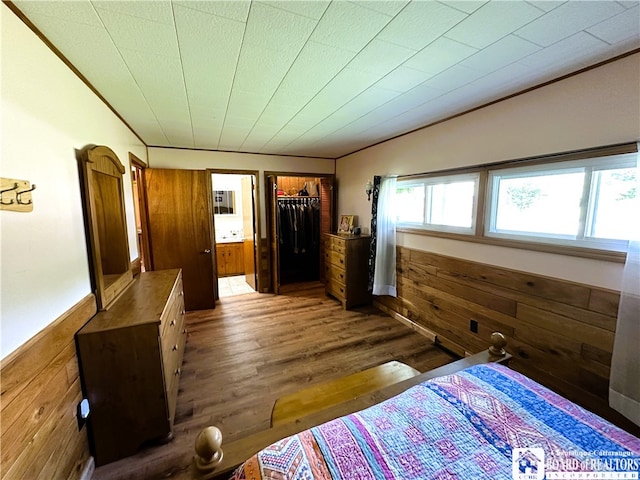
(346, 268)
(130, 358)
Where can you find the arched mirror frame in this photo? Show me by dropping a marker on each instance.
(103, 193)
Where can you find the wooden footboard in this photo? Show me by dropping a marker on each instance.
(210, 461)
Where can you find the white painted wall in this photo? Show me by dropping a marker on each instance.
(226, 224)
(200, 160)
(595, 108)
(47, 113)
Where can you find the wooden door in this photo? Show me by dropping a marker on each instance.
(272, 221)
(326, 213)
(248, 227)
(180, 233)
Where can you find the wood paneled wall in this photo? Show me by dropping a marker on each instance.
(559, 332)
(40, 393)
(292, 185)
(264, 266)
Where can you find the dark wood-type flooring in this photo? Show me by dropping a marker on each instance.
(254, 348)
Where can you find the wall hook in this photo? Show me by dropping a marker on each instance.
(15, 187)
(18, 194)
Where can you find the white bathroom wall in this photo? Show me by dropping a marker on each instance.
(225, 224)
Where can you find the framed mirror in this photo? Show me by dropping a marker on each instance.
(103, 194)
(224, 202)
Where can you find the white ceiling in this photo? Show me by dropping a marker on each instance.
(320, 78)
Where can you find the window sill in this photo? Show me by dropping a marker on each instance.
(592, 253)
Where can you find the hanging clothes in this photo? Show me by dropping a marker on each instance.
(299, 239)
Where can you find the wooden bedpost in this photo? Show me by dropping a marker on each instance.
(498, 342)
(209, 452)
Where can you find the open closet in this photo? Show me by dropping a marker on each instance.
(300, 210)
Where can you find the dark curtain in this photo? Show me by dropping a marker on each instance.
(374, 229)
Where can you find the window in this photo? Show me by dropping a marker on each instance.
(444, 203)
(588, 203)
(583, 203)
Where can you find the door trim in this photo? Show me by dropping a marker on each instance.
(145, 241)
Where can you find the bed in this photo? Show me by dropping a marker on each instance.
(486, 421)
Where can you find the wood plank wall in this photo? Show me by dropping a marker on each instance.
(292, 185)
(40, 392)
(264, 267)
(559, 332)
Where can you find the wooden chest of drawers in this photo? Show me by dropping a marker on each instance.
(346, 268)
(130, 358)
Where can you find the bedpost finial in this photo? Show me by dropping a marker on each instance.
(208, 449)
(498, 342)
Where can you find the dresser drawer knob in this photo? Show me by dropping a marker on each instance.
(172, 323)
(175, 347)
(183, 312)
(184, 331)
(181, 293)
(178, 371)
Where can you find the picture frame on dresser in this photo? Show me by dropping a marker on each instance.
(346, 223)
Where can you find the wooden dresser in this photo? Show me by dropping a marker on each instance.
(346, 267)
(130, 357)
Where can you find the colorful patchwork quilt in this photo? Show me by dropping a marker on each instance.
(485, 422)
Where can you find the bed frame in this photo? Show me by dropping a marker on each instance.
(210, 462)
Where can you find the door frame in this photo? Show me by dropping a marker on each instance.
(271, 200)
(256, 219)
(140, 166)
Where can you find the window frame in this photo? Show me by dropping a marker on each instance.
(431, 180)
(586, 247)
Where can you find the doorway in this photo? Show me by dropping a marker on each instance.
(299, 212)
(236, 231)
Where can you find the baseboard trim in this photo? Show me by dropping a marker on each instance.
(408, 322)
(88, 470)
(438, 340)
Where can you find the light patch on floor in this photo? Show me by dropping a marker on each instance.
(230, 286)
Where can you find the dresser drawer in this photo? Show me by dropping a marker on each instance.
(334, 258)
(175, 306)
(334, 272)
(175, 373)
(172, 316)
(336, 289)
(336, 245)
(171, 349)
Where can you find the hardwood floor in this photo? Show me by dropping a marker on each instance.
(252, 349)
